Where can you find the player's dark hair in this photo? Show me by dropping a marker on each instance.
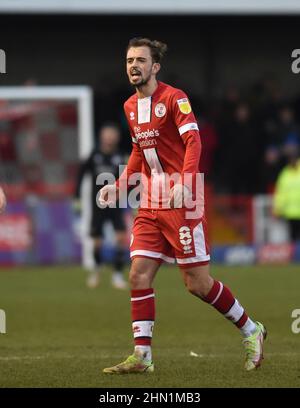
(157, 48)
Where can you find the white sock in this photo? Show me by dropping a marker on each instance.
(249, 328)
(145, 351)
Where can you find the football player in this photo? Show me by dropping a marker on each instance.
(105, 158)
(166, 140)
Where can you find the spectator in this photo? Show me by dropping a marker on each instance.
(287, 191)
(240, 153)
(209, 140)
(106, 158)
(282, 136)
(288, 128)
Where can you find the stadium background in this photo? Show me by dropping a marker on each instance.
(227, 62)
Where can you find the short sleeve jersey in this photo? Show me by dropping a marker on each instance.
(158, 126)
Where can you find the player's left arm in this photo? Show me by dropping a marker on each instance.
(187, 126)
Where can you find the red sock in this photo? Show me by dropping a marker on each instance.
(143, 316)
(221, 298)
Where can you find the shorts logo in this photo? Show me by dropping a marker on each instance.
(187, 247)
(184, 106)
(185, 239)
(160, 110)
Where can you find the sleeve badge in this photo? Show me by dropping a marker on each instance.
(184, 106)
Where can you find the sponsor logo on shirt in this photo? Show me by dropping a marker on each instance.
(146, 138)
(184, 106)
(148, 133)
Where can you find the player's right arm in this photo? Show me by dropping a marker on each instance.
(134, 165)
(135, 160)
(2, 200)
(110, 193)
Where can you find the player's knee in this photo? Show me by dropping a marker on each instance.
(196, 290)
(133, 279)
(138, 278)
(142, 273)
(199, 287)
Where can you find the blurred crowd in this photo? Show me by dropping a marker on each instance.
(257, 133)
(247, 135)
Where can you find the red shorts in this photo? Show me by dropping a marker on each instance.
(166, 235)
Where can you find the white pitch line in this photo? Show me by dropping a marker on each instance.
(16, 358)
(106, 356)
(22, 358)
(193, 354)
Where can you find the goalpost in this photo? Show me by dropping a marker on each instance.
(15, 100)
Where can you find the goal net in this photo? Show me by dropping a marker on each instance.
(44, 133)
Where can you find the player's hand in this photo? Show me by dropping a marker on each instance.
(179, 195)
(2, 201)
(107, 196)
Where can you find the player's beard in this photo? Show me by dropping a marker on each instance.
(142, 81)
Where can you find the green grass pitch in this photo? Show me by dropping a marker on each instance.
(61, 334)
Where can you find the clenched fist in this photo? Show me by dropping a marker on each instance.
(107, 196)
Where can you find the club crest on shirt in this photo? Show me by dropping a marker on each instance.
(184, 105)
(160, 110)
